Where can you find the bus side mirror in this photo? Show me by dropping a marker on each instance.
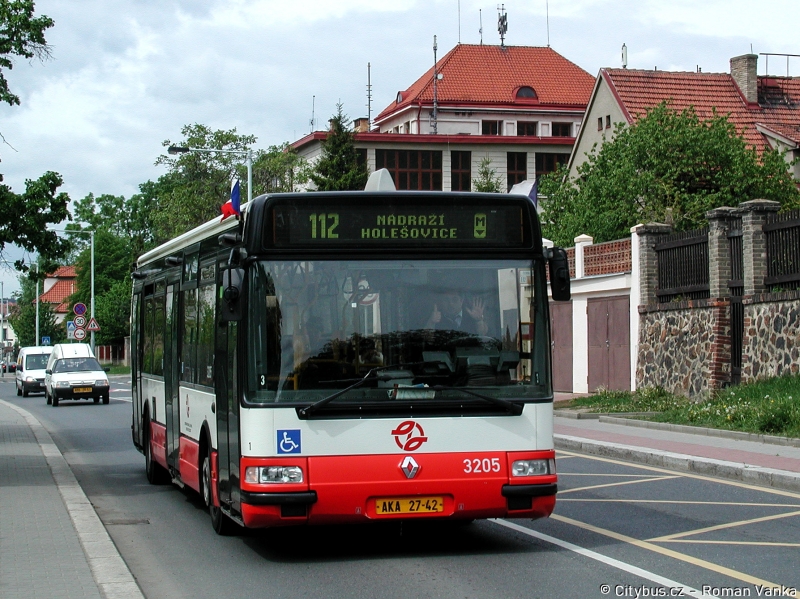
(232, 279)
(559, 274)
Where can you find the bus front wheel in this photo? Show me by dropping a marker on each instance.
(219, 521)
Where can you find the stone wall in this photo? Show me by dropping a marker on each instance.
(771, 341)
(682, 346)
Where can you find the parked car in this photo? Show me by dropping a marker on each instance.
(74, 373)
(9, 367)
(30, 367)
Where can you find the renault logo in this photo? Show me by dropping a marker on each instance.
(409, 467)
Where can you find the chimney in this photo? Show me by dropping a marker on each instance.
(743, 71)
(361, 125)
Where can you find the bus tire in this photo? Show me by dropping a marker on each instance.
(156, 474)
(222, 525)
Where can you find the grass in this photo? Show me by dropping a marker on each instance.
(769, 407)
(119, 370)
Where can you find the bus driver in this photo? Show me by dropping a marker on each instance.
(450, 313)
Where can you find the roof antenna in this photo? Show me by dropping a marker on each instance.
(436, 76)
(547, 17)
(480, 16)
(502, 24)
(624, 56)
(312, 113)
(459, 21)
(369, 97)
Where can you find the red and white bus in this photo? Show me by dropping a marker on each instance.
(351, 357)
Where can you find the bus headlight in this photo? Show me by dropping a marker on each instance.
(273, 474)
(533, 467)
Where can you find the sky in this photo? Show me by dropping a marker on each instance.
(126, 75)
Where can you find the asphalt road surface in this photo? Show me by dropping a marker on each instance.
(620, 530)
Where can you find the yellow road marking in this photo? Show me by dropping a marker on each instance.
(677, 502)
(735, 574)
(754, 543)
(724, 526)
(722, 481)
(619, 484)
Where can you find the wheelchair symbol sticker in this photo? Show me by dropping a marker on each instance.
(289, 441)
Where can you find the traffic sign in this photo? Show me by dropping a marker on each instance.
(80, 334)
(79, 309)
(92, 326)
(80, 321)
(71, 326)
(45, 340)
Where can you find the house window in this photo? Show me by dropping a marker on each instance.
(608, 121)
(412, 169)
(599, 123)
(562, 129)
(490, 127)
(517, 168)
(526, 92)
(461, 171)
(526, 128)
(548, 162)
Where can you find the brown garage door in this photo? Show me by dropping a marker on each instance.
(609, 343)
(561, 340)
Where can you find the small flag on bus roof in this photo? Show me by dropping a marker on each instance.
(233, 206)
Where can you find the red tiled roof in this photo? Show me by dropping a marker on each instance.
(778, 108)
(490, 75)
(64, 272)
(59, 292)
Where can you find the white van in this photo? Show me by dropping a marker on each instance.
(31, 364)
(74, 373)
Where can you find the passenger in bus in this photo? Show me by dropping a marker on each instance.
(451, 313)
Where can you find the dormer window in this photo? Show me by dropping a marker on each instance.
(399, 97)
(526, 93)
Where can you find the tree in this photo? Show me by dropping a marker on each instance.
(113, 312)
(279, 169)
(197, 183)
(24, 217)
(487, 180)
(669, 167)
(21, 34)
(339, 168)
(22, 317)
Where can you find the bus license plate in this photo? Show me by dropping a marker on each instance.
(409, 505)
(82, 390)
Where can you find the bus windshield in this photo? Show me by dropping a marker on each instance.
(425, 328)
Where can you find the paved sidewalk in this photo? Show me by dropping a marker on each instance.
(766, 461)
(52, 543)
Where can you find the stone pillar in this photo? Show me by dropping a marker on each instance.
(719, 252)
(649, 235)
(754, 246)
(581, 241)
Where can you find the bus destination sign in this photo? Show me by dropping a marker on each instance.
(456, 226)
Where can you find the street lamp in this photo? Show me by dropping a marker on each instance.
(248, 154)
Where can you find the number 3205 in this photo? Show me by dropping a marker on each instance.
(477, 466)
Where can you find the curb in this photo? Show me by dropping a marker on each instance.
(629, 420)
(110, 572)
(756, 475)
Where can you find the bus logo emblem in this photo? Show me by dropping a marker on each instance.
(409, 436)
(409, 467)
(479, 229)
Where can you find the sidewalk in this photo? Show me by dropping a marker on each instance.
(760, 460)
(52, 544)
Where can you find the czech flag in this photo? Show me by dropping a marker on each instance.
(534, 193)
(233, 206)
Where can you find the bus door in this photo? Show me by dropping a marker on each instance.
(136, 373)
(227, 407)
(172, 374)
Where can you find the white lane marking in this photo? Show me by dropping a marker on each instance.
(610, 561)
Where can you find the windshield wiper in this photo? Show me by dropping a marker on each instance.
(515, 409)
(304, 413)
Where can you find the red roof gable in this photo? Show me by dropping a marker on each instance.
(59, 292)
(491, 75)
(778, 108)
(64, 272)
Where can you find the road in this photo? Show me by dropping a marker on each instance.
(639, 530)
